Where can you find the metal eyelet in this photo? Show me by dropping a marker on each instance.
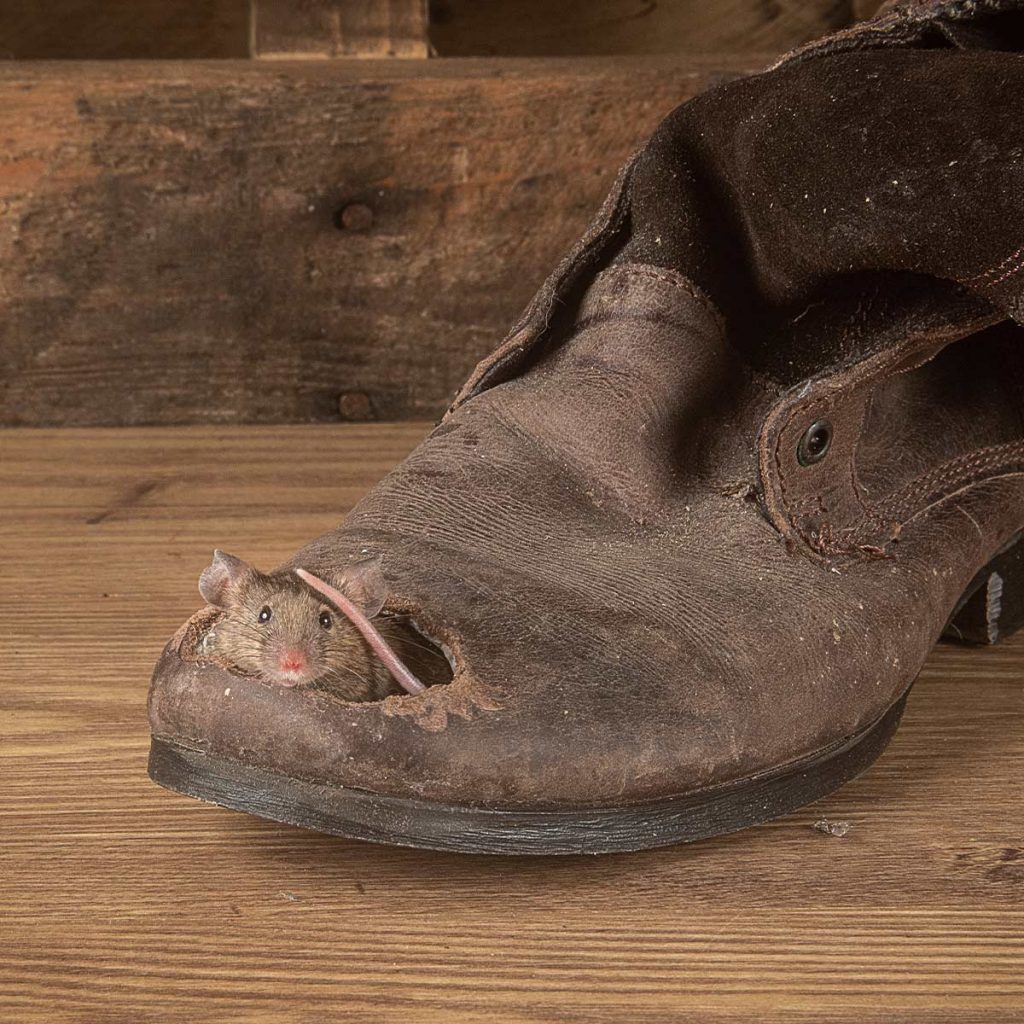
(815, 443)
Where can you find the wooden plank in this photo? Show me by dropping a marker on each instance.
(141, 29)
(85, 29)
(461, 28)
(864, 9)
(339, 28)
(125, 902)
(240, 242)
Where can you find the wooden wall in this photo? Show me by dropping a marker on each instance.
(511, 28)
(153, 29)
(119, 29)
(327, 232)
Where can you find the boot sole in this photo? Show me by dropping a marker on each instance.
(399, 821)
(992, 607)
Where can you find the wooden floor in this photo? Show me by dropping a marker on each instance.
(123, 902)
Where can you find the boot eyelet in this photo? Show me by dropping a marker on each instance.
(815, 443)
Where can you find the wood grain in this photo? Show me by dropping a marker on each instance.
(339, 28)
(293, 241)
(541, 28)
(123, 902)
(94, 29)
(139, 29)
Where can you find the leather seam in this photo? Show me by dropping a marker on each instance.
(949, 473)
(996, 268)
(820, 544)
(669, 277)
(950, 495)
(990, 461)
(854, 479)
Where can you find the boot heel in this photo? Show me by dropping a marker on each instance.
(992, 608)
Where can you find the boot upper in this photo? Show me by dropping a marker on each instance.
(707, 509)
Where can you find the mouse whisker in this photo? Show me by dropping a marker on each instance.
(404, 641)
(335, 675)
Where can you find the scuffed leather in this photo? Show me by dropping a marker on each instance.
(608, 529)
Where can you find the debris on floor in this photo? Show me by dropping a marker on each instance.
(833, 828)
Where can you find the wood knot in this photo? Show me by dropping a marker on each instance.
(355, 406)
(355, 217)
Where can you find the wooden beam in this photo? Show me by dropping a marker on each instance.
(339, 28)
(244, 242)
(542, 28)
(87, 29)
(139, 29)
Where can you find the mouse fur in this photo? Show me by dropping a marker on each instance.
(275, 627)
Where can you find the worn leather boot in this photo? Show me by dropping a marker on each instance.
(691, 531)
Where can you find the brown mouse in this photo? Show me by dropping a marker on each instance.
(273, 625)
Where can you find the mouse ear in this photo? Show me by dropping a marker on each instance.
(221, 576)
(363, 584)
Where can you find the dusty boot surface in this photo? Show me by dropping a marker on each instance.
(689, 534)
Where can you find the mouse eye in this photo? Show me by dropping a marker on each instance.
(325, 620)
(265, 613)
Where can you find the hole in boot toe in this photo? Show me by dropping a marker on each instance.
(343, 666)
(428, 658)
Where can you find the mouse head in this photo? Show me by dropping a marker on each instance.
(275, 626)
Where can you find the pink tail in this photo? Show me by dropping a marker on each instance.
(379, 645)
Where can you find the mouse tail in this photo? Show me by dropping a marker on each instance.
(377, 643)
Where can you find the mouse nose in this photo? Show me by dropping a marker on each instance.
(292, 661)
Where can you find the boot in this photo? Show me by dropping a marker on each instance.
(689, 534)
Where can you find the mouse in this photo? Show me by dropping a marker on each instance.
(277, 627)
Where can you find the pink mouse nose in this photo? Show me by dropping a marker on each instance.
(293, 661)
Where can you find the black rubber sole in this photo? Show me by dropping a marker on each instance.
(357, 814)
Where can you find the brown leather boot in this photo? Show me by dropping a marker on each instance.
(691, 531)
